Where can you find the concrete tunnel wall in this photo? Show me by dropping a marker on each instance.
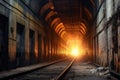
(45, 41)
(106, 37)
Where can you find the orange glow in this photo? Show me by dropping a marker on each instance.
(75, 47)
(75, 52)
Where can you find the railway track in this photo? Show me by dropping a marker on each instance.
(55, 71)
(63, 73)
(68, 69)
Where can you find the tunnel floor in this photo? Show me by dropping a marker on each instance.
(86, 71)
(78, 71)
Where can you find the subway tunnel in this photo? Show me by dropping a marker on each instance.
(34, 32)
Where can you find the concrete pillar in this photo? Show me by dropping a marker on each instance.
(27, 55)
(12, 39)
(36, 45)
(43, 49)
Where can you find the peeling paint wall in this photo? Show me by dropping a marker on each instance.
(106, 38)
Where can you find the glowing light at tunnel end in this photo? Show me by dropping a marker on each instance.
(75, 47)
(75, 52)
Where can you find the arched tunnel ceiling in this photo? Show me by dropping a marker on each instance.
(65, 16)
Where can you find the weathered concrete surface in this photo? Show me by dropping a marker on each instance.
(82, 71)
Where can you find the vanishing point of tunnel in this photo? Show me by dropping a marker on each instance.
(51, 34)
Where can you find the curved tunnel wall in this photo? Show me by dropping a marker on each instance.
(49, 14)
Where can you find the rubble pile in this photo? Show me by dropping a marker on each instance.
(101, 71)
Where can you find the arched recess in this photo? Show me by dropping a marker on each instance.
(51, 13)
(82, 29)
(55, 22)
(46, 12)
(88, 13)
(61, 30)
(84, 24)
(60, 25)
(62, 33)
(50, 20)
(45, 7)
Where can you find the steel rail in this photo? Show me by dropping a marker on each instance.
(22, 70)
(63, 73)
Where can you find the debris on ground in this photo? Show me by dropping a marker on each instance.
(101, 71)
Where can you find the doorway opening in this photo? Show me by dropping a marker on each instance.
(3, 42)
(20, 45)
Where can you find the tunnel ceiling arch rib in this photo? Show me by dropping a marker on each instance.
(49, 5)
(59, 26)
(76, 15)
(51, 17)
(55, 22)
(67, 16)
